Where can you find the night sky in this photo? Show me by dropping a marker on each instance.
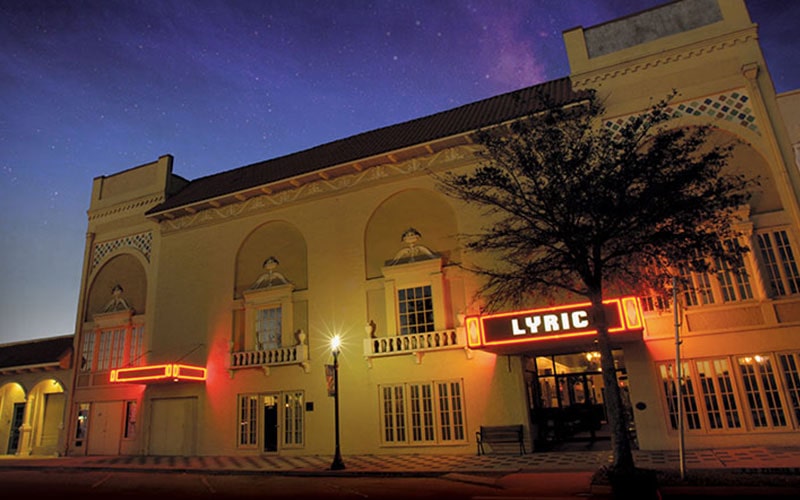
(91, 88)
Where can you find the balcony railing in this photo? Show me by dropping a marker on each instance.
(266, 358)
(417, 344)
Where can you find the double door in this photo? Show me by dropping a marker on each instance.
(566, 398)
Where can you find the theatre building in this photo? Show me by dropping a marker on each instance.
(207, 306)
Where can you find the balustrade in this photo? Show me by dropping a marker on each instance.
(416, 343)
(297, 354)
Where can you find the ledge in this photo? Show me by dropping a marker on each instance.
(417, 344)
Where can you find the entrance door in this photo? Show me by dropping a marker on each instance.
(270, 423)
(16, 422)
(105, 432)
(173, 423)
(566, 400)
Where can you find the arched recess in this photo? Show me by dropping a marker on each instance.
(409, 241)
(426, 211)
(12, 411)
(126, 271)
(47, 403)
(271, 276)
(278, 239)
(747, 159)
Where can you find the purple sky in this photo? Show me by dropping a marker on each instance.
(90, 88)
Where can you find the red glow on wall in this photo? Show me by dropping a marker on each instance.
(571, 321)
(159, 373)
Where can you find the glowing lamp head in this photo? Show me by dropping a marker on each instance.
(336, 343)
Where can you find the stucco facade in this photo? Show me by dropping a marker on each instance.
(35, 384)
(246, 275)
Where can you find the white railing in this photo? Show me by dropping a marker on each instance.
(294, 355)
(417, 344)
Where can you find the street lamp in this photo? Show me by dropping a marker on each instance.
(336, 342)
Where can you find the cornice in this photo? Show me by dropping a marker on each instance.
(139, 205)
(445, 159)
(592, 77)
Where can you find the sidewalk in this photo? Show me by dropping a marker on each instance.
(547, 474)
(753, 460)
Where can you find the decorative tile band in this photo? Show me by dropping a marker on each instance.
(141, 242)
(732, 107)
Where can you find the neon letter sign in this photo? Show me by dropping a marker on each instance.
(159, 373)
(570, 321)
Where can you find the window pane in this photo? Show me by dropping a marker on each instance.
(130, 419)
(778, 259)
(248, 405)
(763, 398)
(670, 392)
(268, 328)
(789, 364)
(293, 418)
(791, 273)
(415, 310)
(137, 347)
(435, 413)
(88, 351)
(718, 396)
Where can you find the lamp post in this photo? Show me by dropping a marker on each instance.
(337, 463)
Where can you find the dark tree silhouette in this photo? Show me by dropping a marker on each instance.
(572, 205)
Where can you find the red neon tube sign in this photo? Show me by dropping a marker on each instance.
(159, 373)
(562, 322)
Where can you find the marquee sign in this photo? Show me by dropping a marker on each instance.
(573, 321)
(159, 373)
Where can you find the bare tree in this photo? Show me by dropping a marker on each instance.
(572, 205)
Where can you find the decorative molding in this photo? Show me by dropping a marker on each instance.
(322, 186)
(731, 106)
(666, 59)
(141, 241)
(130, 206)
(412, 251)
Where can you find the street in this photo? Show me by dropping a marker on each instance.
(178, 486)
(105, 484)
(174, 485)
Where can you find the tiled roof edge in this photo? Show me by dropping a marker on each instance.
(203, 188)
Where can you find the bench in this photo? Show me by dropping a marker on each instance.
(499, 434)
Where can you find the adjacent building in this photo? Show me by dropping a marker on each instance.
(35, 382)
(207, 306)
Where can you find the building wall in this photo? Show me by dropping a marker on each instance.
(713, 60)
(187, 279)
(43, 395)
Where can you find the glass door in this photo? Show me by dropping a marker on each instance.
(270, 423)
(566, 399)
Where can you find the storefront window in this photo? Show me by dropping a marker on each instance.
(82, 425)
(130, 419)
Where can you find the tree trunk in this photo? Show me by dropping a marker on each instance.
(620, 439)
